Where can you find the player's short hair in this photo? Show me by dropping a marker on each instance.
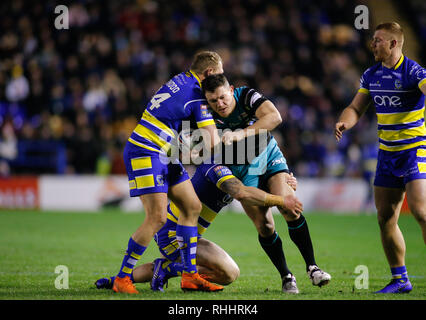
(214, 81)
(205, 59)
(394, 28)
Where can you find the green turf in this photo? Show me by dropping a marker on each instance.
(91, 245)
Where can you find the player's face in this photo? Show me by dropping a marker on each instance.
(222, 100)
(381, 45)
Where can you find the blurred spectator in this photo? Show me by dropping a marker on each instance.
(17, 89)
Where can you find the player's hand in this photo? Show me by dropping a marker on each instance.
(338, 130)
(292, 181)
(292, 205)
(230, 137)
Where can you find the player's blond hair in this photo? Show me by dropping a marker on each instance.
(204, 60)
(393, 28)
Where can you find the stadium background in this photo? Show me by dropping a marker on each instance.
(70, 98)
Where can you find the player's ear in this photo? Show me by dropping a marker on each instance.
(232, 88)
(392, 44)
(207, 72)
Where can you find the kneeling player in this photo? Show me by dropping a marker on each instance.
(216, 186)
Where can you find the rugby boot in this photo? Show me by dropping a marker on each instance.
(397, 286)
(193, 282)
(124, 285)
(318, 277)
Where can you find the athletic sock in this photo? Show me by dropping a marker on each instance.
(133, 253)
(187, 237)
(173, 269)
(399, 273)
(299, 234)
(272, 245)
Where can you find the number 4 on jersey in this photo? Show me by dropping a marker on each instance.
(158, 98)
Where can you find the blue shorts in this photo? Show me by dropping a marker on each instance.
(395, 169)
(151, 172)
(268, 163)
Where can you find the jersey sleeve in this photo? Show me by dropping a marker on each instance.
(418, 75)
(202, 115)
(363, 83)
(218, 174)
(251, 99)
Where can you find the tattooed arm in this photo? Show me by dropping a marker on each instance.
(255, 197)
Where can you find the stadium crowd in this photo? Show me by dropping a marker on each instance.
(76, 94)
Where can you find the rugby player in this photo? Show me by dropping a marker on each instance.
(153, 177)
(247, 114)
(396, 85)
(216, 187)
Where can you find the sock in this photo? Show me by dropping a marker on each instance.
(272, 245)
(133, 254)
(173, 269)
(299, 234)
(399, 273)
(187, 240)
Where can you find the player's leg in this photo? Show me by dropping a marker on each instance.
(263, 220)
(388, 203)
(184, 197)
(271, 243)
(298, 230)
(145, 171)
(215, 264)
(155, 207)
(416, 199)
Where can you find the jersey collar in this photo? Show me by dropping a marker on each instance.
(196, 77)
(399, 62)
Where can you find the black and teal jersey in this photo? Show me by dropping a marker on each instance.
(247, 101)
(179, 99)
(399, 103)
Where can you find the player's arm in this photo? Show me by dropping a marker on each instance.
(210, 136)
(352, 113)
(252, 196)
(268, 119)
(423, 88)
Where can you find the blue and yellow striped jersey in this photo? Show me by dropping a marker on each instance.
(400, 105)
(179, 99)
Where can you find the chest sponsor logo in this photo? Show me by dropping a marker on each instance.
(388, 101)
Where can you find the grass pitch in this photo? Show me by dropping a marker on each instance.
(91, 246)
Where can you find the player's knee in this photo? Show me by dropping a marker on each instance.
(191, 209)
(158, 220)
(230, 274)
(265, 228)
(194, 208)
(290, 216)
(421, 217)
(386, 220)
